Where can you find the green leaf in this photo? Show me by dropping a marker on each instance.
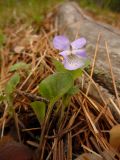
(37, 18)
(73, 90)
(12, 83)
(2, 97)
(2, 38)
(87, 63)
(39, 109)
(67, 97)
(76, 73)
(56, 85)
(60, 68)
(19, 65)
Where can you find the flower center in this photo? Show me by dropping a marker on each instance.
(73, 59)
(71, 52)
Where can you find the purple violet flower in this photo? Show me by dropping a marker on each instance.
(73, 54)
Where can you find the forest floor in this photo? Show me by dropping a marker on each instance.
(26, 59)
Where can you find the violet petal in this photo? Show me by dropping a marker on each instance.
(64, 53)
(61, 42)
(79, 43)
(73, 62)
(80, 52)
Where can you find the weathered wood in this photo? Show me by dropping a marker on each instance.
(71, 21)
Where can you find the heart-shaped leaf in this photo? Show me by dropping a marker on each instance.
(19, 65)
(39, 109)
(12, 83)
(56, 85)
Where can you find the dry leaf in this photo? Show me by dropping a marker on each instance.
(18, 49)
(108, 155)
(12, 150)
(115, 136)
(88, 156)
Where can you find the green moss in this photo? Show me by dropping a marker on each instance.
(12, 11)
(25, 10)
(102, 10)
(101, 5)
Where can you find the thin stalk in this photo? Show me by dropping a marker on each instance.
(44, 130)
